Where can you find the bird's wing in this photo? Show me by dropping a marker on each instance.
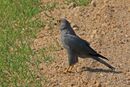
(73, 42)
(80, 45)
(92, 52)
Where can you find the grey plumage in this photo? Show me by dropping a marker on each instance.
(77, 47)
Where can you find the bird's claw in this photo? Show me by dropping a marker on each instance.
(68, 70)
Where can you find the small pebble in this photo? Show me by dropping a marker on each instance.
(72, 5)
(93, 3)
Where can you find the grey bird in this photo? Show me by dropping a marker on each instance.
(77, 47)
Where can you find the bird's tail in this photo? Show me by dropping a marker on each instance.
(103, 62)
(102, 57)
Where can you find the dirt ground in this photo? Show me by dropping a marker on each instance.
(103, 23)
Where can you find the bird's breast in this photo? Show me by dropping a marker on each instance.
(63, 42)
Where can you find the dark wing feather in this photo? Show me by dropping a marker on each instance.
(103, 62)
(80, 46)
(74, 42)
(94, 53)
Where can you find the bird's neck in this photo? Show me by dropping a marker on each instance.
(63, 32)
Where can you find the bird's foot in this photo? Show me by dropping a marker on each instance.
(65, 72)
(68, 70)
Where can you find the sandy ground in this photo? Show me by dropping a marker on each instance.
(103, 23)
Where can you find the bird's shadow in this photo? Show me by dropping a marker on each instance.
(100, 70)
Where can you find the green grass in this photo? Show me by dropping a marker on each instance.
(79, 2)
(18, 26)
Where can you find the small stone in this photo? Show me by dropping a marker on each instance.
(126, 35)
(101, 74)
(128, 82)
(72, 5)
(38, 76)
(81, 33)
(93, 3)
(94, 32)
(75, 28)
(106, 1)
(98, 84)
(72, 84)
(92, 36)
(41, 68)
(74, 25)
(128, 79)
(104, 24)
(115, 78)
(128, 9)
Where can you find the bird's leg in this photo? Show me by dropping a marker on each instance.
(69, 69)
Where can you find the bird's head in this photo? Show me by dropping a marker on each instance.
(64, 24)
(65, 27)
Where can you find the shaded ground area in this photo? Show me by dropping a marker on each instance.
(106, 25)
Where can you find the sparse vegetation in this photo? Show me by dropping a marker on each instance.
(79, 2)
